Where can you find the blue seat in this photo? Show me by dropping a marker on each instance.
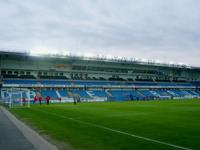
(184, 84)
(63, 93)
(196, 83)
(126, 95)
(162, 92)
(100, 93)
(55, 82)
(193, 92)
(145, 83)
(146, 93)
(19, 81)
(166, 84)
(176, 93)
(50, 93)
(82, 93)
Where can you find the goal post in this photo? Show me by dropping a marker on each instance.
(16, 98)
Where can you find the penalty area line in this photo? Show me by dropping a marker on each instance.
(118, 131)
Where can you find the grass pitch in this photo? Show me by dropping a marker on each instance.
(118, 125)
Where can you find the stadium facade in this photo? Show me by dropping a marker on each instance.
(91, 79)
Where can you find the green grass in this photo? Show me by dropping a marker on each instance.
(172, 121)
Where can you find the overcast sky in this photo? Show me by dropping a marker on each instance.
(166, 30)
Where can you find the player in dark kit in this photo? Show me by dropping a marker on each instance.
(24, 101)
(59, 99)
(35, 99)
(74, 97)
(40, 100)
(48, 99)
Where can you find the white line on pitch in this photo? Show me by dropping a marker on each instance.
(118, 131)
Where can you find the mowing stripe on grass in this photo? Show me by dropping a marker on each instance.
(118, 131)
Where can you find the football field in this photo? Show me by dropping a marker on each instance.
(139, 125)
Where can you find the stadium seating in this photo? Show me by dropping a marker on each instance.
(53, 77)
(184, 84)
(63, 93)
(55, 82)
(82, 93)
(145, 90)
(10, 76)
(51, 93)
(178, 93)
(95, 83)
(122, 95)
(119, 95)
(135, 95)
(18, 81)
(98, 93)
(145, 83)
(162, 93)
(197, 83)
(166, 84)
(193, 93)
(147, 94)
(27, 77)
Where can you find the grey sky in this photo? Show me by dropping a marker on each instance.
(152, 29)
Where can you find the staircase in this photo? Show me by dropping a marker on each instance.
(58, 94)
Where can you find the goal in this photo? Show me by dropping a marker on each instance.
(16, 98)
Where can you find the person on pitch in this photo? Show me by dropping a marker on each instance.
(40, 100)
(35, 99)
(48, 99)
(24, 101)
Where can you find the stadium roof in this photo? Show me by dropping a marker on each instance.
(101, 58)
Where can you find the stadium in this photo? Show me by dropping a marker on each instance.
(99, 75)
(96, 79)
(135, 104)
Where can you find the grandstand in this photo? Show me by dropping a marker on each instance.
(96, 79)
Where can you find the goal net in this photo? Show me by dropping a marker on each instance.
(16, 98)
